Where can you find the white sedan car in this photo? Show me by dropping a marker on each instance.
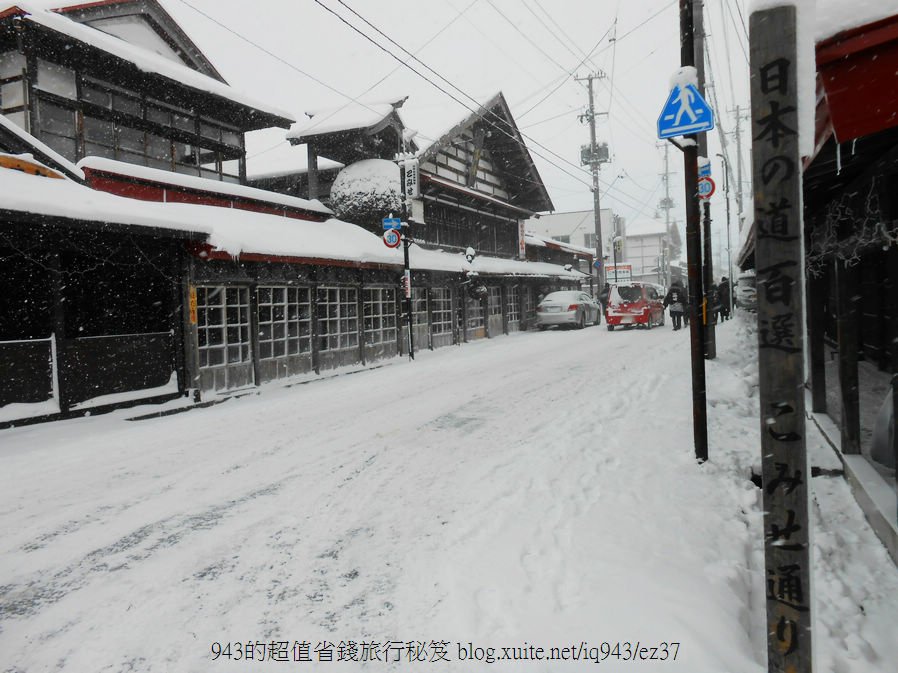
(568, 307)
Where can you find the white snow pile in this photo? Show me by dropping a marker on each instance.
(684, 76)
(367, 191)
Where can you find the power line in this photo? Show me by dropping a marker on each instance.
(566, 77)
(438, 87)
(273, 55)
(522, 34)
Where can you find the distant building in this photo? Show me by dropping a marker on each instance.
(577, 227)
(645, 247)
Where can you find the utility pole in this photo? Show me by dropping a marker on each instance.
(708, 267)
(739, 184)
(694, 254)
(666, 204)
(594, 158)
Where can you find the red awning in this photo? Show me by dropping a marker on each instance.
(858, 70)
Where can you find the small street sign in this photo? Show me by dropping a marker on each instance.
(706, 187)
(685, 112)
(392, 239)
(392, 223)
(597, 264)
(704, 170)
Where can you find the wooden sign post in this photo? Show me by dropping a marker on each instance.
(779, 262)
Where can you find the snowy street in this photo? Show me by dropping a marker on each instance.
(533, 490)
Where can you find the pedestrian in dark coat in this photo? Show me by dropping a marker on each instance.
(676, 300)
(723, 290)
(603, 296)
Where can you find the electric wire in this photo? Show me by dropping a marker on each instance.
(452, 96)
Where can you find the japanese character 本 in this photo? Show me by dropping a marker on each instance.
(773, 128)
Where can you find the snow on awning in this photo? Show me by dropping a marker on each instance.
(193, 182)
(232, 233)
(144, 59)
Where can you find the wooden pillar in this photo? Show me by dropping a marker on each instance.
(360, 312)
(780, 265)
(313, 305)
(313, 171)
(183, 316)
(59, 313)
(254, 347)
(817, 292)
(847, 330)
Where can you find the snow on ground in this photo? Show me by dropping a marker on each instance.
(531, 491)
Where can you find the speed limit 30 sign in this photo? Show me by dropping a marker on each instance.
(706, 187)
(392, 238)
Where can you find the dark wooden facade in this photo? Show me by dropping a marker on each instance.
(82, 100)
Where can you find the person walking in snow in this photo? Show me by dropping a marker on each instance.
(603, 296)
(676, 300)
(723, 292)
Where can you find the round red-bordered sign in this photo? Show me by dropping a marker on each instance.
(706, 187)
(392, 239)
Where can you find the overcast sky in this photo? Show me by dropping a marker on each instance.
(524, 48)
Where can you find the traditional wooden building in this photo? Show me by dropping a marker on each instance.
(153, 270)
(119, 79)
(851, 229)
(90, 312)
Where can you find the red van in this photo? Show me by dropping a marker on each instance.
(635, 304)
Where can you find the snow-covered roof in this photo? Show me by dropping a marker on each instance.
(200, 184)
(270, 155)
(237, 232)
(540, 241)
(31, 141)
(66, 198)
(349, 116)
(143, 59)
(645, 228)
(835, 16)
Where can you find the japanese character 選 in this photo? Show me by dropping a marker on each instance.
(778, 333)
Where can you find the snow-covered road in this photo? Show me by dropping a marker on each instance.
(533, 490)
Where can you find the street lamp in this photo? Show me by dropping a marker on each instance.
(726, 193)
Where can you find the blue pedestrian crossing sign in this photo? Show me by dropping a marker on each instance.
(685, 112)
